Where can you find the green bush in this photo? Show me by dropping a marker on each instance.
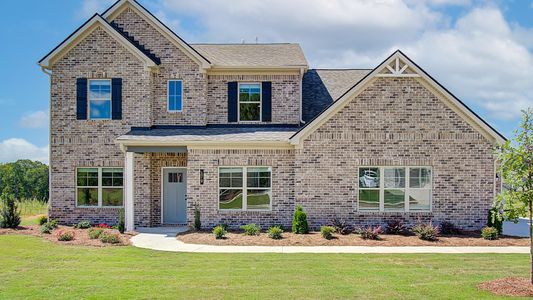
(109, 237)
(83, 225)
(121, 226)
(46, 228)
(42, 219)
(426, 232)
(327, 232)
(251, 229)
(9, 212)
(95, 233)
(494, 221)
(489, 233)
(197, 221)
(299, 221)
(370, 233)
(275, 232)
(219, 231)
(53, 223)
(447, 227)
(65, 236)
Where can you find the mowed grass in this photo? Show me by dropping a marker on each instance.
(34, 268)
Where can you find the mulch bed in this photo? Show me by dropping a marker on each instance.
(81, 236)
(511, 286)
(237, 238)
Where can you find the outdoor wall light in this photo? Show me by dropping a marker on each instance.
(201, 176)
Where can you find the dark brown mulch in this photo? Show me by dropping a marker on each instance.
(510, 286)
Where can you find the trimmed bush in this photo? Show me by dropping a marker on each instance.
(9, 212)
(110, 238)
(83, 225)
(447, 227)
(494, 221)
(251, 229)
(95, 233)
(121, 226)
(275, 232)
(426, 232)
(219, 231)
(197, 221)
(370, 233)
(53, 223)
(41, 220)
(48, 227)
(396, 227)
(299, 221)
(327, 232)
(341, 226)
(489, 233)
(65, 236)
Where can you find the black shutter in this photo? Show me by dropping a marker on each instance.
(232, 101)
(116, 98)
(266, 103)
(81, 98)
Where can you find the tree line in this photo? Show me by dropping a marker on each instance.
(24, 179)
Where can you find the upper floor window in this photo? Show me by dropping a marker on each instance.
(249, 102)
(175, 95)
(100, 99)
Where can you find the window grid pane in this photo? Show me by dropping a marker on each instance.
(93, 182)
(100, 99)
(249, 102)
(234, 194)
(175, 95)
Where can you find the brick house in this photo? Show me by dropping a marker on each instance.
(144, 121)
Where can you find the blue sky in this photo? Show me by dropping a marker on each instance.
(482, 51)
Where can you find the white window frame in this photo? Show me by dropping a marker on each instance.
(244, 188)
(406, 189)
(89, 99)
(260, 102)
(100, 187)
(168, 96)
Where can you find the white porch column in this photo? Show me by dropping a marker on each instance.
(128, 199)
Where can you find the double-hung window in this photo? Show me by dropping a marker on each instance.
(245, 188)
(100, 99)
(395, 189)
(99, 187)
(249, 102)
(175, 95)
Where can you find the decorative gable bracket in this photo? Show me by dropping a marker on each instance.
(396, 67)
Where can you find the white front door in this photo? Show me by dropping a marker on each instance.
(174, 208)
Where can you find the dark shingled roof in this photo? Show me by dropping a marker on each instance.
(323, 86)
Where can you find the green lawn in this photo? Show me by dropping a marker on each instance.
(34, 268)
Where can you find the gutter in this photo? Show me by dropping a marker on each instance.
(302, 72)
(49, 73)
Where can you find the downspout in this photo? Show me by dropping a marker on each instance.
(302, 71)
(49, 73)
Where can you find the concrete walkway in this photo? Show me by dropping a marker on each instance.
(164, 239)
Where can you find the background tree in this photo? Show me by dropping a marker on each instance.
(24, 179)
(515, 160)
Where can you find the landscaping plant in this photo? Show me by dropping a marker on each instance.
(42, 219)
(327, 232)
(109, 238)
(426, 232)
(65, 236)
(251, 229)
(370, 233)
(219, 231)
(396, 227)
(341, 226)
(121, 226)
(83, 225)
(95, 233)
(447, 227)
(275, 232)
(197, 221)
(9, 212)
(495, 219)
(489, 233)
(515, 166)
(299, 221)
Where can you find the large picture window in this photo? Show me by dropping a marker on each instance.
(395, 189)
(100, 99)
(249, 102)
(245, 188)
(99, 187)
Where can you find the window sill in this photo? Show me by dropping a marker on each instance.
(174, 111)
(224, 211)
(104, 207)
(375, 212)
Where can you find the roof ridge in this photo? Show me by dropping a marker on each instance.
(245, 44)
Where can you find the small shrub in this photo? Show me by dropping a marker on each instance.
(447, 227)
(280, 226)
(219, 231)
(299, 221)
(103, 225)
(370, 233)
(95, 233)
(41, 220)
(121, 226)
(9, 213)
(341, 226)
(275, 232)
(109, 237)
(396, 227)
(53, 223)
(251, 229)
(426, 232)
(494, 220)
(327, 232)
(489, 233)
(197, 221)
(65, 236)
(83, 225)
(46, 228)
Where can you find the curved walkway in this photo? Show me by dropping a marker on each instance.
(164, 239)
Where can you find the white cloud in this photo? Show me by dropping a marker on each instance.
(90, 7)
(37, 119)
(17, 148)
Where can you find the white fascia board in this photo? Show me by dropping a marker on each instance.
(207, 144)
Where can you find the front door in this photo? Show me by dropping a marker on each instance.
(174, 196)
